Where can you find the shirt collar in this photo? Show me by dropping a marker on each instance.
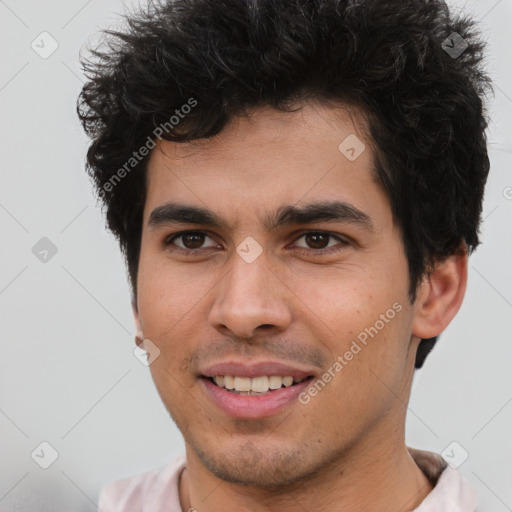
(451, 490)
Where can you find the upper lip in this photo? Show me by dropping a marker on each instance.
(268, 368)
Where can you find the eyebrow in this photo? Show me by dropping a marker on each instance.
(324, 211)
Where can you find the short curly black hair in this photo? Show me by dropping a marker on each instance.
(396, 60)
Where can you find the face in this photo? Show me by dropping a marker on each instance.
(273, 286)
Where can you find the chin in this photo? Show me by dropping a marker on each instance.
(252, 466)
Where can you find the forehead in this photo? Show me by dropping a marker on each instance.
(269, 158)
(312, 125)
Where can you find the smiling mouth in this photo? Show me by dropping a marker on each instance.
(262, 385)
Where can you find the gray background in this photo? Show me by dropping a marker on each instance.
(68, 374)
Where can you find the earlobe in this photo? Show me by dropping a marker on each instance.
(440, 295)
(139, 335)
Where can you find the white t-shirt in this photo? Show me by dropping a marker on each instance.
(157, 491)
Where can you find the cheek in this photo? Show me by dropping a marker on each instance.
(347, 299)
(364, 384)
(168, 293)
(364, 325)
(169, 305)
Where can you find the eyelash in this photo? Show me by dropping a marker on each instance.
(316, 252)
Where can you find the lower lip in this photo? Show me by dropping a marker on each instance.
(254, 406)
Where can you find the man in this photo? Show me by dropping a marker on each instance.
(296, 187)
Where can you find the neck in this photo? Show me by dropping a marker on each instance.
(386, 480)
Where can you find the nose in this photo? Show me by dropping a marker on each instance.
(251, 300)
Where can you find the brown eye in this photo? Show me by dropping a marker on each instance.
(190, 240)
(193, 240)
(319, 240)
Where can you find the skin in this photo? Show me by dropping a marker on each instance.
(345, 450)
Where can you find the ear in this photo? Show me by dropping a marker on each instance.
(440, 295)
(139, 336)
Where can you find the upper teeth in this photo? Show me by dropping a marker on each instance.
(259, 384)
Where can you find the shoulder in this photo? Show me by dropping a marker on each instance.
(145, 490)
